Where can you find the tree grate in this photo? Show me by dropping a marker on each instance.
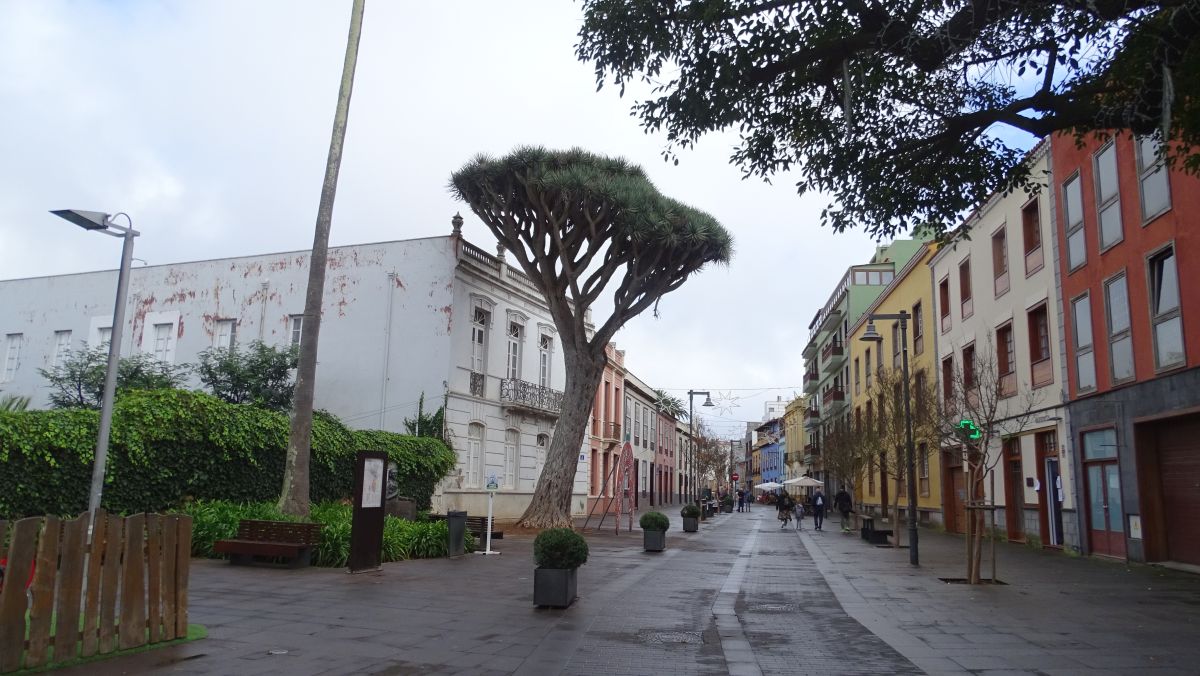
(665, 637)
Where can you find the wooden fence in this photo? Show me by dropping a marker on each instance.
(127, 589)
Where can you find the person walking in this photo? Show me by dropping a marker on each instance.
(798, 511)
(818, 504)
(844, 504)
(741, 495)
(784, 504)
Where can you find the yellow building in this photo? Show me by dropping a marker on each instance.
(793, 429)
(911, 291)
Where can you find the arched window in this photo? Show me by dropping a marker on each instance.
(474, 453)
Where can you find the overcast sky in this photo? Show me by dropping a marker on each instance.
(209, 122)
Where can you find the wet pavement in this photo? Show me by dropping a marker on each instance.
(740, 597)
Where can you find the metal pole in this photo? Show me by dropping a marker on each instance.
(913, 557)
(691, 444)
(110, 376)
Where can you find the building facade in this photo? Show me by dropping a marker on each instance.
(793, 430)
(1132, 332)
(434, 316)
(606, 432)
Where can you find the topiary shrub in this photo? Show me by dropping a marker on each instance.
(690, 512)
(560, 548)
(655, 521)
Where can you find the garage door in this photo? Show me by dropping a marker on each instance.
(1179, 462)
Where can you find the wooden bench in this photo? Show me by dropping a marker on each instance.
(276, 539)
(476, 525)
(871, 534)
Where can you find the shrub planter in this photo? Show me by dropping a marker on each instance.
(691, 524)
(554, 587)
(558, 552)
(654, 540)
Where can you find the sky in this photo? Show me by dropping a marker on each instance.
(209, 123)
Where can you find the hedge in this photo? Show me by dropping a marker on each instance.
(168, 446)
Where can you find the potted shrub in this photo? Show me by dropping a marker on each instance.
(654, 531)
(727, 504)
(691, 518)
(558, 552)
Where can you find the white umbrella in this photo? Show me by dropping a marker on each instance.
(768, 486)
(803, 481)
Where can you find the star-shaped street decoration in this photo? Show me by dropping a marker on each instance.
(725, 402)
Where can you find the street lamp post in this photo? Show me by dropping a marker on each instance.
(871, 335)
(692, 438)
(102, 222)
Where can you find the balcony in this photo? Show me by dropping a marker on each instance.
(1043, 372)
(530, 398)
(610, 433)
(811, 378)
(834, 399)
(832, 349)
(812, 417)
(478, 384)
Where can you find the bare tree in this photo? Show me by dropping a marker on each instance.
(983, 405)
(294, 496)
(891, 434)
(845, 447)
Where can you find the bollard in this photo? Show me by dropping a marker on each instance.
(457, 523)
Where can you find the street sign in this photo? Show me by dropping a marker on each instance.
(735, 476)
(968, 429)
(492, 484)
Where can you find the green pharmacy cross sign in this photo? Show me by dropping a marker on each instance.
(969, 429)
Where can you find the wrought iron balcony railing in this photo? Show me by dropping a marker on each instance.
(478, 383)
(530, 396)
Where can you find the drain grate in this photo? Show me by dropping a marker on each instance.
(665, 637)
(773, 608)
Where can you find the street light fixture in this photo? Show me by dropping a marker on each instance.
(692, 437)
(872, 336)
(102, 222)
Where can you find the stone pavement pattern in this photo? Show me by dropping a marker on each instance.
(741, 597)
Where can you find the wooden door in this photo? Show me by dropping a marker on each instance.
(1014, 499)
(1106, 514)
(1179, 474)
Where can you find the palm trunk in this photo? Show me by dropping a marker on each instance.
(294, 498)
(550, 506)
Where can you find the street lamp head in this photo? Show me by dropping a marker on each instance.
(871, 335)
(88, 220)
(708, 401)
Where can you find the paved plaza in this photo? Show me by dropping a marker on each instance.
(739, 597)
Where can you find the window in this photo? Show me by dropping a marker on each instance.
(104, 335)
(1031, 226)
(637, 424)
(923, 469)
(896, 344)
(1108, 200)
(516, 337)
(1006, 358)
(857, 383)
(12, 356)
(480, 319)
(964, 288)
(1000, 262)
(1073, 216)
(162, 341)
(868, 358)
(225, 333)
(543, 443)
(645, 475)
(944, 302)
(879, 358)
(948, 379)
(297, 323)
(1039, 346)
(1085, 358)
(1120, 341)
(512, 453)
(919, 398)
(968, 357)
(1164, 310)
(628, 415)
(645, 426)
(545, 351)
(474, 459)
(62, 346)
(1152, 177)
(1100, 444)
(918, 328)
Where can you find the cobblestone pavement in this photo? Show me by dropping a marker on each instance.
(741, 597)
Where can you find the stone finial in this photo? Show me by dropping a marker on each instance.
(500, 252)
(457, 223)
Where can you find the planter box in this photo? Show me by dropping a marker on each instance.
(654, 540)
(554, 587)
(728, 509)
(691, 524)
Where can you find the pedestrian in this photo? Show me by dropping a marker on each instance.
(818, 503)
(844, 504)
(784, 504)
(798, 510)
(741, 499)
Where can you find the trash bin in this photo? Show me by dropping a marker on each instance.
(457, 522)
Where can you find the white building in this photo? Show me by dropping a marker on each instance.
(641, 412)
(436, 315)
(997, 297)
(774, 409)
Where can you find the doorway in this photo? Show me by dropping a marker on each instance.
(1105, 510)
(1014, 493)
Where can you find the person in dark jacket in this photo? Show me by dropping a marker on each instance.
(784, 504)
(818, 509)
(845, 505)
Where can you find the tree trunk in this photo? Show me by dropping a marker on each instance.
(896, 515)
(294, 498)
(550, 506)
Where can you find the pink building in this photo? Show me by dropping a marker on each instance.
(665, 467)
(604, 440)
